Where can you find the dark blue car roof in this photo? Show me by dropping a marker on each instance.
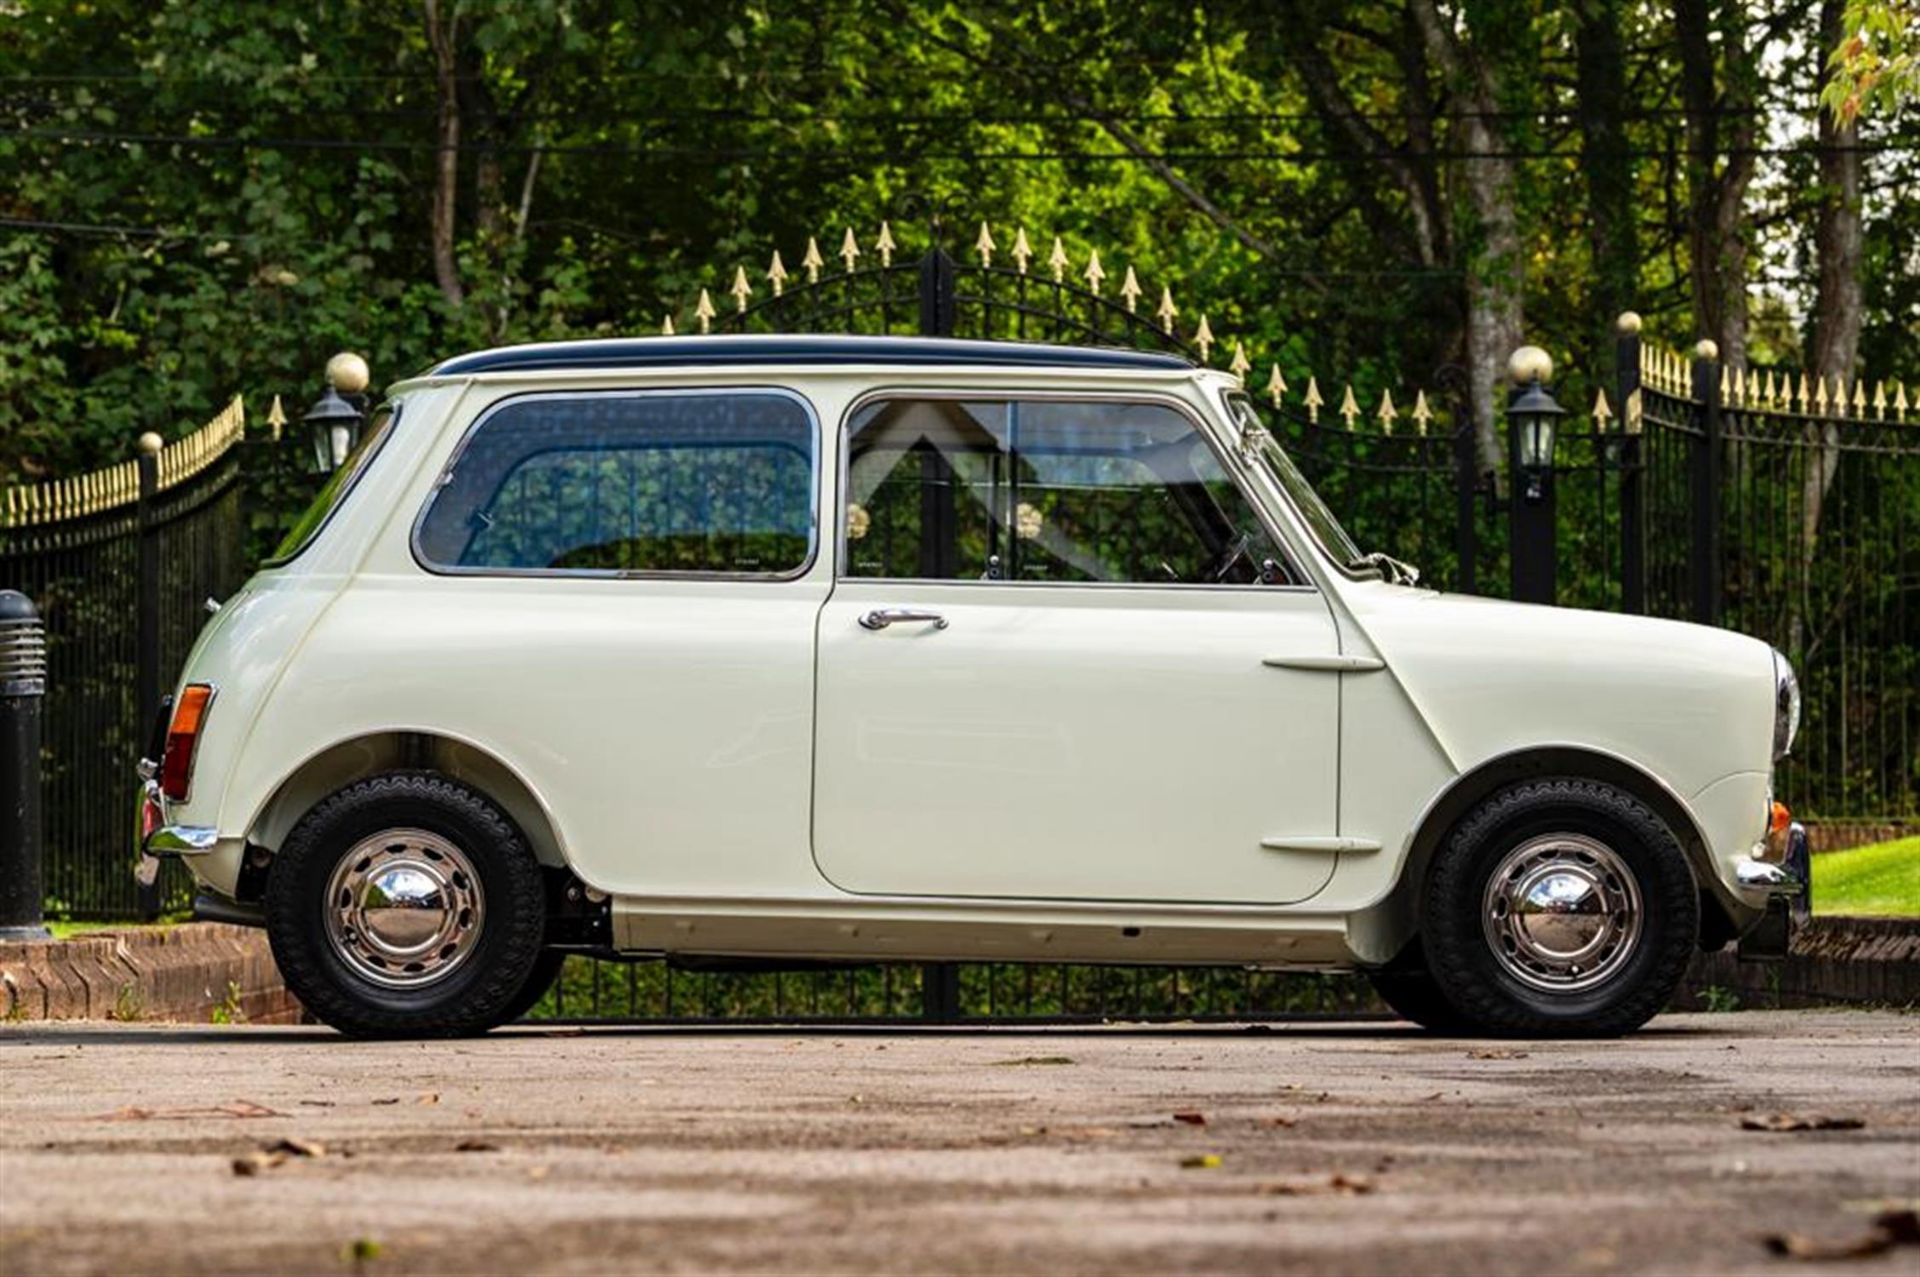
(671, 352)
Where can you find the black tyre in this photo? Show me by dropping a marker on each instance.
(406, 905)
(1559, 908)
(546, 969)
(1409, 989)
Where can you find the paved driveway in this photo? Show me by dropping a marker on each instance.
(1310, 1148)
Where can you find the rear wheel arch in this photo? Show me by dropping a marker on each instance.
(345, 762)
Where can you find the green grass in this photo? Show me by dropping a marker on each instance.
(66, 930)
(1881, 880)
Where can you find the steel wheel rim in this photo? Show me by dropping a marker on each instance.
(404, 908)
(1562, 912)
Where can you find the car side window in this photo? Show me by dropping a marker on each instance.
(1045, 490)
(630, 483)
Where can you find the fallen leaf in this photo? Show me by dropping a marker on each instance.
(1035, 1059)
(391, 1099)
(1800, 1122)
(539, 1172)
(1279, 1121)
(255, 1163)
(360, 1250)
(475, 1146)
(298, 1147)
(1496, 1053)
(1890, 1228)
(429, 1097)
(1201, 1162)
(318, 1104)
(1191, 1119)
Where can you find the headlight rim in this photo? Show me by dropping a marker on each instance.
(1787, 706)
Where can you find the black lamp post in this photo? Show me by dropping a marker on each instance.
(1532, 417)
(335, 419)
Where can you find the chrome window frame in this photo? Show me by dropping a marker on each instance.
(815, 442)
(1314, 544)
(1300, 582)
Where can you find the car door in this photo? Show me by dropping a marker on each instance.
(1054, 664)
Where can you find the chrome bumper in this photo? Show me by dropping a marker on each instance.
(1788, 898)
(158, 838)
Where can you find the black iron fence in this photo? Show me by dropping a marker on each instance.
(1781, 507)
(590, 989)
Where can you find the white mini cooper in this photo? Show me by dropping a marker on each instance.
(856, 649)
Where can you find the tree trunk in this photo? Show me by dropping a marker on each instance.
(442, 37)
(1612, 233)
(1496, 260)
(1717, 90)
(1833, 345)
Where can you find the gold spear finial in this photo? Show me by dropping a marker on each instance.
(1602, 412)
(1313, 401)
(1239, 365)
(1130, 290)
(1806, 393)
(704, 312)
(1095, 272)
(741, 289)
(1880, 401)
(1057, 260)
(1203, 338)
(812, 262)
(984, 246)
(849, 250)
(1726, 385)
(1349, 406)
(885, 245)
(777, 274)
(1820, 395)
(1022, 251)
(1387, 413)
(1859, 397)
(1422, 414)
(1899, 401)
(666, 326)
(1767, 395)
(1276, 386)
(276, 418)
(1166, 311)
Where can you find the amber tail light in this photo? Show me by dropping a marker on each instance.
(183, 734)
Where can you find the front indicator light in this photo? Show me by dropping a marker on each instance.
(1779, 823)
(183, 735)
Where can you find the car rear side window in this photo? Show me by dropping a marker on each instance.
(612, 483)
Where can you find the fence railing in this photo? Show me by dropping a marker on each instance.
(120, 563)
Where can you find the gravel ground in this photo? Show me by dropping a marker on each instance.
(1301, 1149)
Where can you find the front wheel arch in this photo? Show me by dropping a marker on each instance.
(1474, 787)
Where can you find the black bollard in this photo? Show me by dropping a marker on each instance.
(23, 689)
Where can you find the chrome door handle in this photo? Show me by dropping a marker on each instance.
(881, 618)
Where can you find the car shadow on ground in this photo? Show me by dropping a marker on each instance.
(1382, 1028)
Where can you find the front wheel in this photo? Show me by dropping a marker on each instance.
(1559, 908)
(406, 905)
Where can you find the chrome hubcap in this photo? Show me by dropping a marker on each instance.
(1562, 912)
(404, 908)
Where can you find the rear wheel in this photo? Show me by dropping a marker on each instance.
(546, 969)
(406, 905)
(1559, 908)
